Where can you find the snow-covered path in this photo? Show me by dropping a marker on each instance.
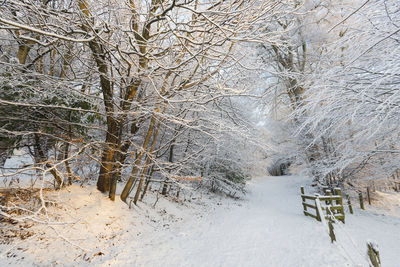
(268, 229)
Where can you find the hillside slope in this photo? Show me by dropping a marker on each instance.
(266, 229)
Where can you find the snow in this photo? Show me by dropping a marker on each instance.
(384, 230)
(268, 228)
(11, 172)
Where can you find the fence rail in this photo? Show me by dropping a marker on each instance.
(329, 202)
(329, 208)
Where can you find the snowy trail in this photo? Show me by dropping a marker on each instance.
(269, 229)
(266, 229)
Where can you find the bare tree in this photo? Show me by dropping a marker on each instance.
(143, 89)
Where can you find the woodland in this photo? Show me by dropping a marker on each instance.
(177, 96)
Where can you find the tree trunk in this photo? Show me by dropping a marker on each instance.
(170, 159)
(138, 159)
(149, 175)
(117, 165)
(120, 158)
(41, 157)
(108, 162)
(64, 156)
(139, 156)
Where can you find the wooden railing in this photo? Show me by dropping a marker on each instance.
(330, 204)
(329, 208)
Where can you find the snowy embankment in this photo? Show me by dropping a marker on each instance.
(267, 229)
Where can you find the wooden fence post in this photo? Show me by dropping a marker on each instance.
(330, 226)
(320, 212)
(368, 196)
(324, 188)
(373, 254)
(349, 204)
(339, 202)
(360, 197)
(337, 191)
(328, 193)
(303, 200)
(318, 209)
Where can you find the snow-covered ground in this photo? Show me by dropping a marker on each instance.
(266, 229)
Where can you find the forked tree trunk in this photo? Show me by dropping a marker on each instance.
(109, 167)
(138, 159)
(120, 158)
(152, 128)
(150, 152)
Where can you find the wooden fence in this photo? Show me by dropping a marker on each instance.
(329, 204)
